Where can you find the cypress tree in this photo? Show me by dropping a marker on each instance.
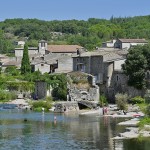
(25, 63)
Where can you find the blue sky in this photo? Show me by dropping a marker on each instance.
(72, 9)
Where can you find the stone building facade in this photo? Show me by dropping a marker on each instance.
(123, 43)
(40, 90)
(102, 65)
(127, 43)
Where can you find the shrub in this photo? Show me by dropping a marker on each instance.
(6, 96)
(144, 121)
(103, 101)
(137, 100)
(12, 70)
(38, 105)
(49, 99)
(121, 101)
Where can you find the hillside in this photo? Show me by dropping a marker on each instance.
(89, 34)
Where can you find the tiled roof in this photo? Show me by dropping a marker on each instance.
(112, 56)
(12, 63)
(63, 48)
(133, 40)
(107, 55)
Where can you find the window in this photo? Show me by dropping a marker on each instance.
(42, 44)
(117, 78)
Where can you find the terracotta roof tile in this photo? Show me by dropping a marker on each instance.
(63, 48)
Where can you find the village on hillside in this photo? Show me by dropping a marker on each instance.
(103, 66)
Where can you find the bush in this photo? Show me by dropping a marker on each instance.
(6, 96)
(103, 101)
(144, 121)
(12, 70)
(38, 105)
(121, 101)
(137, 100)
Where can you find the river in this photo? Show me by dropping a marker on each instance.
(27, 130)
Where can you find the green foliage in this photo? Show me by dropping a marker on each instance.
(38, 105)
(144, 121)
(49, 99)
(103, 101)
(136, 64)
(89, 34)
(121, 101)
(20, 86)
(137, 100)
(12, 70)
(25, 63)
(60, 88)
(6, 96)
(142, 107)
(6, 45)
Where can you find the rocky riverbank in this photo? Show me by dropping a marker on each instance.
(133, 131)
(21, 103)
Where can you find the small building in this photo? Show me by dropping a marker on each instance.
(20, 43)
(44, 66)
(127, 43)
(123, 43)
(63, 49)
(109, 44)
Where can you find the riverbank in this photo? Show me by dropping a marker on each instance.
(21, 103)
(132, 130)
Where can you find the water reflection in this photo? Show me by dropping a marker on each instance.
(70, 132)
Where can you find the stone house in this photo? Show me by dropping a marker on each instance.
(43, 48)
(20, 43)
(127, 43)
(43, 67)
(50, 58)
(102, 65)
(123, 43)
(109, 44)
(32, 50)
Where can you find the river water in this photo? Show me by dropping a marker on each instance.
(27, 130)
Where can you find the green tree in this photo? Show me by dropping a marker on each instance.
(135, 67)
(25, 63)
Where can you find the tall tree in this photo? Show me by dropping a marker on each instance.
(135, 67)
(25, 63)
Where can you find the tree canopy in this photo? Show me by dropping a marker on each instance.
(136, 65)
(90, 33)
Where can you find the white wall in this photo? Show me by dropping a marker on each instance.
(19, 53)
(42, 68)
(118, 63)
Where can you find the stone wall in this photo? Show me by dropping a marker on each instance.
(40, 90)
(83, 88)
(119, 85)
(66, 106)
